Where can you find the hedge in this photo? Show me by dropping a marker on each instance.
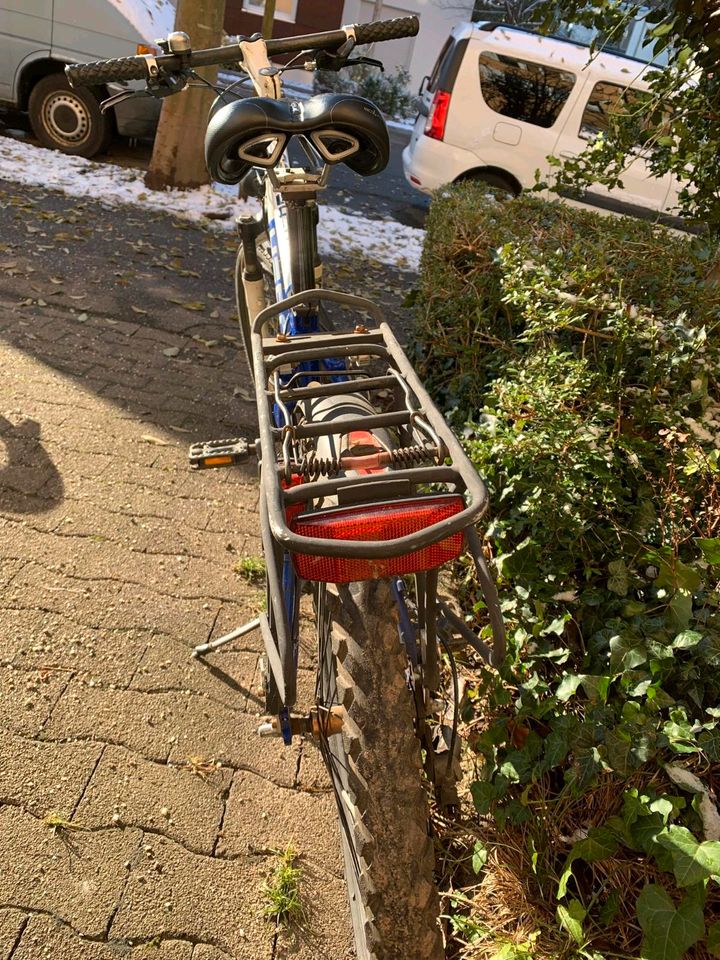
(579, 355)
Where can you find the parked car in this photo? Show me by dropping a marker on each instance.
(37, 39)
(500, 100)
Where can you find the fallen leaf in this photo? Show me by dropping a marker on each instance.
(82, 317)
(137, 309)
(158, 441)
(196, 305)
(171, 351)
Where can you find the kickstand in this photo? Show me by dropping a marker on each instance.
(202, 648)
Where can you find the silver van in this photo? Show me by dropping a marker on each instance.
(37, 39)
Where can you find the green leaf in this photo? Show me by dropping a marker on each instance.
(668, 933)
(693, 862)
(627, 652)
(568, 686)
(571, 918)
(609, 909)
(646, 830)
(619, 580)
(483, 794)
(709, 742)
(599, 844)
(713, 939)
(674, 574)
(662, 29)
(687, 639)
(595, 686)
(479, 857)
(710, 548)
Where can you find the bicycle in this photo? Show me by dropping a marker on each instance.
(365, 491)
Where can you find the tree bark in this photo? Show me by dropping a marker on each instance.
(178, 158)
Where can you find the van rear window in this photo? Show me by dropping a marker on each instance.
(448, 63)
(524, 90)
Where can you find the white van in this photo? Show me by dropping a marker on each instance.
(500, 100)
(37, 39)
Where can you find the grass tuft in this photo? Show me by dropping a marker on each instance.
(57, 821)
(284, 904)
(251, 569)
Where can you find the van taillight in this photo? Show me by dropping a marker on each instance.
(380, 521)
(435, 126)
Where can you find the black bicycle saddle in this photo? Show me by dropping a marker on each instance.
(254, 132)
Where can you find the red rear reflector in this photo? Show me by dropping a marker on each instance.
(377, 522)
(415, 180)
(437, 118)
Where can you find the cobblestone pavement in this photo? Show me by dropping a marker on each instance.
(117, 349)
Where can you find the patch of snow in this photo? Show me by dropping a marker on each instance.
(408, 123)
(151, 18)
(339, 234)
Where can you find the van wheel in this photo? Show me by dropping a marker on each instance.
(67, 119)
(503, 184)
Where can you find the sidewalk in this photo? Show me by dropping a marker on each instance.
(117, 351)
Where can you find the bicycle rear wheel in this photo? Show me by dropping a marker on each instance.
(376, 770)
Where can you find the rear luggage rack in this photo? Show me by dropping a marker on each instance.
(294, 479)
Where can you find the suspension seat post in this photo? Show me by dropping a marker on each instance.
(249, 228)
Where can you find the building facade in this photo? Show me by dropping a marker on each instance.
(291, 16)
(415, 54)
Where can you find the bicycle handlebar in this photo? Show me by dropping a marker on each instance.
(147, 67)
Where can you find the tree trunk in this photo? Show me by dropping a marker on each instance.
(268, 19)
(178, 158)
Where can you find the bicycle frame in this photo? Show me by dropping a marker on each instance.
(299, 364)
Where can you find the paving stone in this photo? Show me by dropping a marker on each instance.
(91, 602)
(212, 731)
(27, 697)
(45, 937)
(312, 776)
(169, 800)
(44, 777)
(147, 723)
(12, 923)
(50, 641)
(218, 902)
(9, 568)
(261, 816)
(227, 677)
(114, 566)
(204, 952)
(77, 876)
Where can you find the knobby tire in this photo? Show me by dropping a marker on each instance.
(376, 768)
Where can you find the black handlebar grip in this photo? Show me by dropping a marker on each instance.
(387, 30)
(106, 71)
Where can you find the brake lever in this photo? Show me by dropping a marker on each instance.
(169, 84)
(121, 98)
(331, 61)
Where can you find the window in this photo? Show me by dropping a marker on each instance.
(609, 100)
(523, 90)
(438, 64)
(284, 9)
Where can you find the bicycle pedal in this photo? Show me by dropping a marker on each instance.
(219, 453)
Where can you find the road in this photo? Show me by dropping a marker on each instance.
(386, 195)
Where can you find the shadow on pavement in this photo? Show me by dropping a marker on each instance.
(29, 480)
